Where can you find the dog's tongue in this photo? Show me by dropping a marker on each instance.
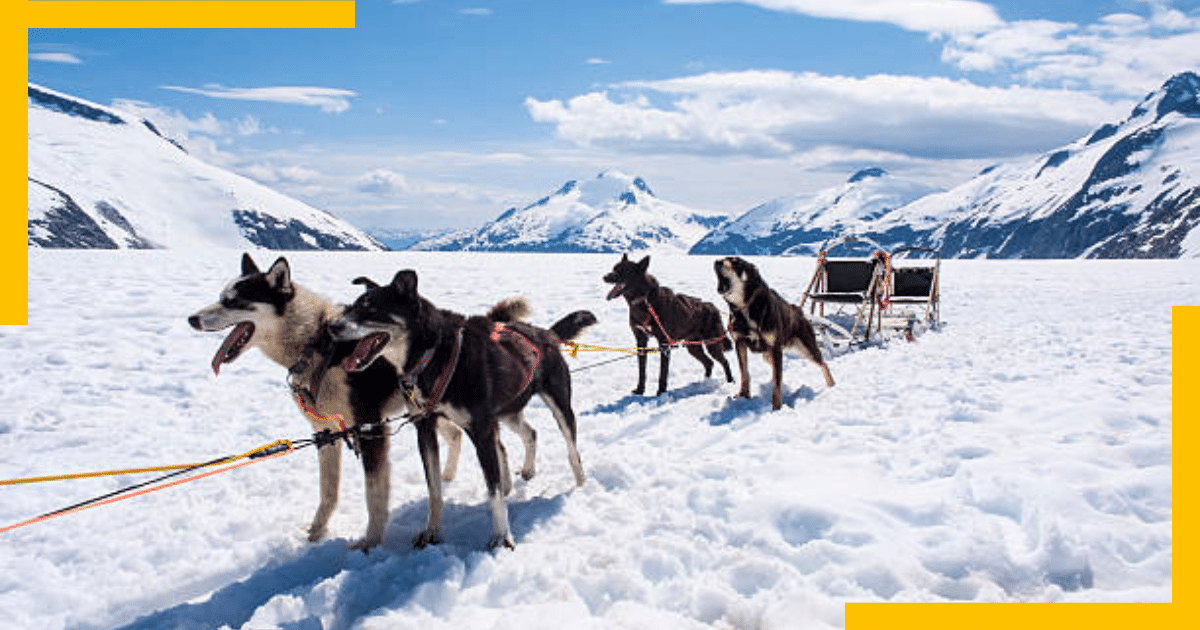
(616, 290)
(364, 348)
(232, 345)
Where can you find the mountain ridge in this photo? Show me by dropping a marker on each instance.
(103, 178)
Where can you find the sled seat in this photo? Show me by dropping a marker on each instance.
(847, 284)
(845, 281)
(912, 285)
(914, 282)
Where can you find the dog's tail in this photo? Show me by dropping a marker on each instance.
(569, 327)
(513, 309)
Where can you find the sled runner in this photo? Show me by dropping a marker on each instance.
(853, 288)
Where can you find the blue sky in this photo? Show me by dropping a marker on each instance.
(442, 113)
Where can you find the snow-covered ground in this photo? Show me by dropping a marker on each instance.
(1021, 453)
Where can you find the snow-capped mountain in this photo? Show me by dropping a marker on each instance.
(797, 225)
(1129, 190)
(103, 178)
(612, 212)
(404, 238)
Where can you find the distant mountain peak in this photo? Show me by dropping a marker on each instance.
(1179, 94)
(866, 173)
(613, 173)
(613, 211)
(798, 224)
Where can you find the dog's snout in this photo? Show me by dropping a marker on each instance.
(194, 321)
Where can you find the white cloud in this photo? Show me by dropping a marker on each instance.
(251, 126)
(925, 16)
(173, 123)
(1123, 54)
(56, 57)
(381, 181)
(596, 61)
(287, 174)
(476, 11)
(331, 100)
(771, 112)
(203, 137)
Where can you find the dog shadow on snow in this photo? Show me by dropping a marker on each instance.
(390, 577)
(736, 408)
(646, 401)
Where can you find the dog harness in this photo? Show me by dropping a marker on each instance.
(498, 329)
(322, 343)
(408, 380)
(690, 304)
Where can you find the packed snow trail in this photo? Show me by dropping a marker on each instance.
(1021, 453)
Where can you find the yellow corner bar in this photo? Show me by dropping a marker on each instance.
(189, 14)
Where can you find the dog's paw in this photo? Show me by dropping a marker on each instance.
(527, 473)
(639, 391)
(426, 538)
(504, 539)
(364, 545)
(315, 534)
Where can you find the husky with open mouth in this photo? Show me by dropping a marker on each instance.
(475, 372)
(288, 323)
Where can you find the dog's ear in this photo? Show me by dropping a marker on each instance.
(279, 276)
(644, 264)
(365, 281)
(624, 257)
(406, 282)
(248, 266)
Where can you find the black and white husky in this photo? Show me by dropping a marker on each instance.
(760, 320)
(473, 371)
(288, 323)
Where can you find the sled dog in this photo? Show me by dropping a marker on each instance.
(288, 323)
(670, 317)
(762, 321)
(472, 371)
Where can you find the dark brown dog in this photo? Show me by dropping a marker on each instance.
(762, 321)
(671, 317)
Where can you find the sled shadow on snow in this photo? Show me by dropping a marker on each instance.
(736, 408)
(390, 577)
(643, 401)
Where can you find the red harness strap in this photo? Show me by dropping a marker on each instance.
(682, 342)
(443, 379)
(499, 328)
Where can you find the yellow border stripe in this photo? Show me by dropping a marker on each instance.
(14, 224)
(190, 14)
